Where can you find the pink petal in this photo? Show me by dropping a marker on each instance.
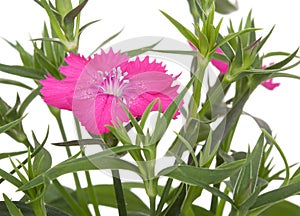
(105, 62)
(148, 81)
(140, 66)
(220, 65)
(95, 113)
(138, 105)
(269, 84)
(192, 46)
(92, 108)
(59, 93)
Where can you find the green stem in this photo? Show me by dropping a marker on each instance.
(38, 207)
(152, 205)
(91, 191)
(164, 195)
(119, 193)
(79, 191)
(196, 97)
(221, 205)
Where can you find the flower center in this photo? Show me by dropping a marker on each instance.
(113, 82)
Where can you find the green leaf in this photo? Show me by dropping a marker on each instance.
(42, 160)
(198, 210)
(183, 30)
(276, 195)
(189, 148)
(53, 20)
(28, 100)
(261, 123)
(10, 178)
(27, 59)
(225, 6)
(237, 63)
(12, 208)
(69, 18)
(104, 194)
(247, 182)
(87, 25)
(283, 208)
(11, 154)
(107, 41)
(283, 62)
(135, 52)
(14, 82)
(10, 125)
(22, 71)
(48, 48)
(47, 64)
(81, 142)
(97, 161)
(28, 211)
(63, 6)
(223, 41)
(195, 175)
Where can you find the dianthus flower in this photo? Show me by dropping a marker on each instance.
(95, 89)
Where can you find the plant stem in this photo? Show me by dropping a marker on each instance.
(90, 191)
(119, 193)
(38, 207)
(152, 205)
(196, 97)
(79, 191)
(164, 195)
(221, 204)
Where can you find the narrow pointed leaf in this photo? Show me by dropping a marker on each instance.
(225, 6)
(10, 125)
(15, 83)
(11, 154)
(276, 195)
(107, 41)
(193, 175)
(28, 100)
(87, 25)
(94, 162)
(22, 71)
(12, 208)
(183, 30)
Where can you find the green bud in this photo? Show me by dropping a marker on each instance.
(63, 6)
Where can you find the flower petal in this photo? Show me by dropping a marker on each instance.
(143, 88)
(59, 93)
(105, 62)
(95, 113)
(92, 108)
(220, 65)
(269, 84)
(140, 66)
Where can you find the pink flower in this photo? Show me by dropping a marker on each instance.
(95, 89)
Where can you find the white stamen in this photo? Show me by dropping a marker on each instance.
(113, 82)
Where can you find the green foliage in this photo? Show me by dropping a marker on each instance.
(13, 210)
(233, 178)
(26, 210)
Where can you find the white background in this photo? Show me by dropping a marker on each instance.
(21, 20)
